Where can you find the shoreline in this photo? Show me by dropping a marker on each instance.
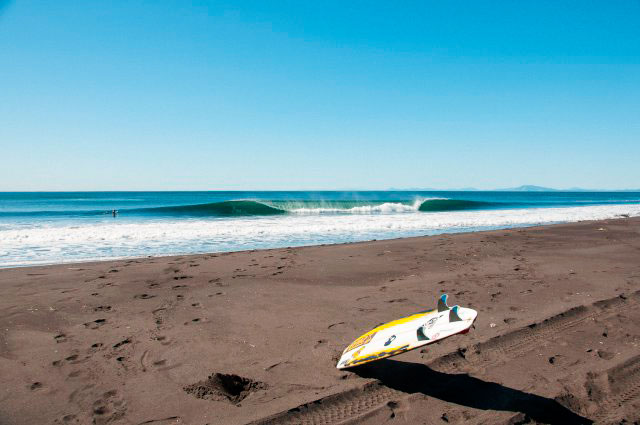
(67, 241)
(196, 254)
(134, 340)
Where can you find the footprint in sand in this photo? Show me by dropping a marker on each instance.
(95, 324)
(143, 296)
(67, 419)
(319, 343)
(96, 346)
(163, 340)
(35, 386)
(123, 342)
(72, 358)
(109, 408)
(367, 310)
(605, 355)
(102, 308)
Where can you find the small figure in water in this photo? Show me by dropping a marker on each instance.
(114, 213)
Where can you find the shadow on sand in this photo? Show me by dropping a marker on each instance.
(467, 391)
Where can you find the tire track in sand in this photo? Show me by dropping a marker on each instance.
(624, 388)
(357, 402)
(516, 343)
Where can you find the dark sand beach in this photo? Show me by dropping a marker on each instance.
(253, 337)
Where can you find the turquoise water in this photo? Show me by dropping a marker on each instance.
(43, 228)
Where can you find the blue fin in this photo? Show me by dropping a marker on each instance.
(442, 303)
(453, 314)
(421, 335)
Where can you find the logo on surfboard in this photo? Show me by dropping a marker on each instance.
(432, 322)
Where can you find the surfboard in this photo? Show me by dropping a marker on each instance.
(408, 333)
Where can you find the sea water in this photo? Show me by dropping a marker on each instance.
(57, 227)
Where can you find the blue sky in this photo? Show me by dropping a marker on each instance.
(177, 95)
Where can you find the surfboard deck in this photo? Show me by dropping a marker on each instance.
(408, 333)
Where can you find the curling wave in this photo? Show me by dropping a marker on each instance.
(219, 209)
(264, 207)
(439, 205)
(252, 207)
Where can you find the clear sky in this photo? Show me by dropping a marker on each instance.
(178, 95)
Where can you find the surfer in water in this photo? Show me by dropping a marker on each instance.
(114, 213)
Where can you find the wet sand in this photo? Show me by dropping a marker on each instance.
(253, 337)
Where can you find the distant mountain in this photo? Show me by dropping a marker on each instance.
(531, 188)
(528, 188)
(431, 189)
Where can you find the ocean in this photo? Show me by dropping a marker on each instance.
(61, 227)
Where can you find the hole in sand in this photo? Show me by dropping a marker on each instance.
(224, 387)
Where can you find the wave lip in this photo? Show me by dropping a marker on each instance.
(352, 207)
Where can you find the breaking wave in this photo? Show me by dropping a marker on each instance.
(257, 208)
(58, 242)
(265, 208)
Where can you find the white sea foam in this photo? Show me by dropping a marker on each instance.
(385, 208)
(64, 242)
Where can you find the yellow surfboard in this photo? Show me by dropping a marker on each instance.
(408, 333)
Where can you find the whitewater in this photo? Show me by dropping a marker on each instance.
(27, 241)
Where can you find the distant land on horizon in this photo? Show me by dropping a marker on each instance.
(523, 188)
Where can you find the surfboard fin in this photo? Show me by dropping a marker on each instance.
(421, 335)
(453, 314)
(442, 303)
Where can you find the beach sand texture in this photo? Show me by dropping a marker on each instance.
(253, 337)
